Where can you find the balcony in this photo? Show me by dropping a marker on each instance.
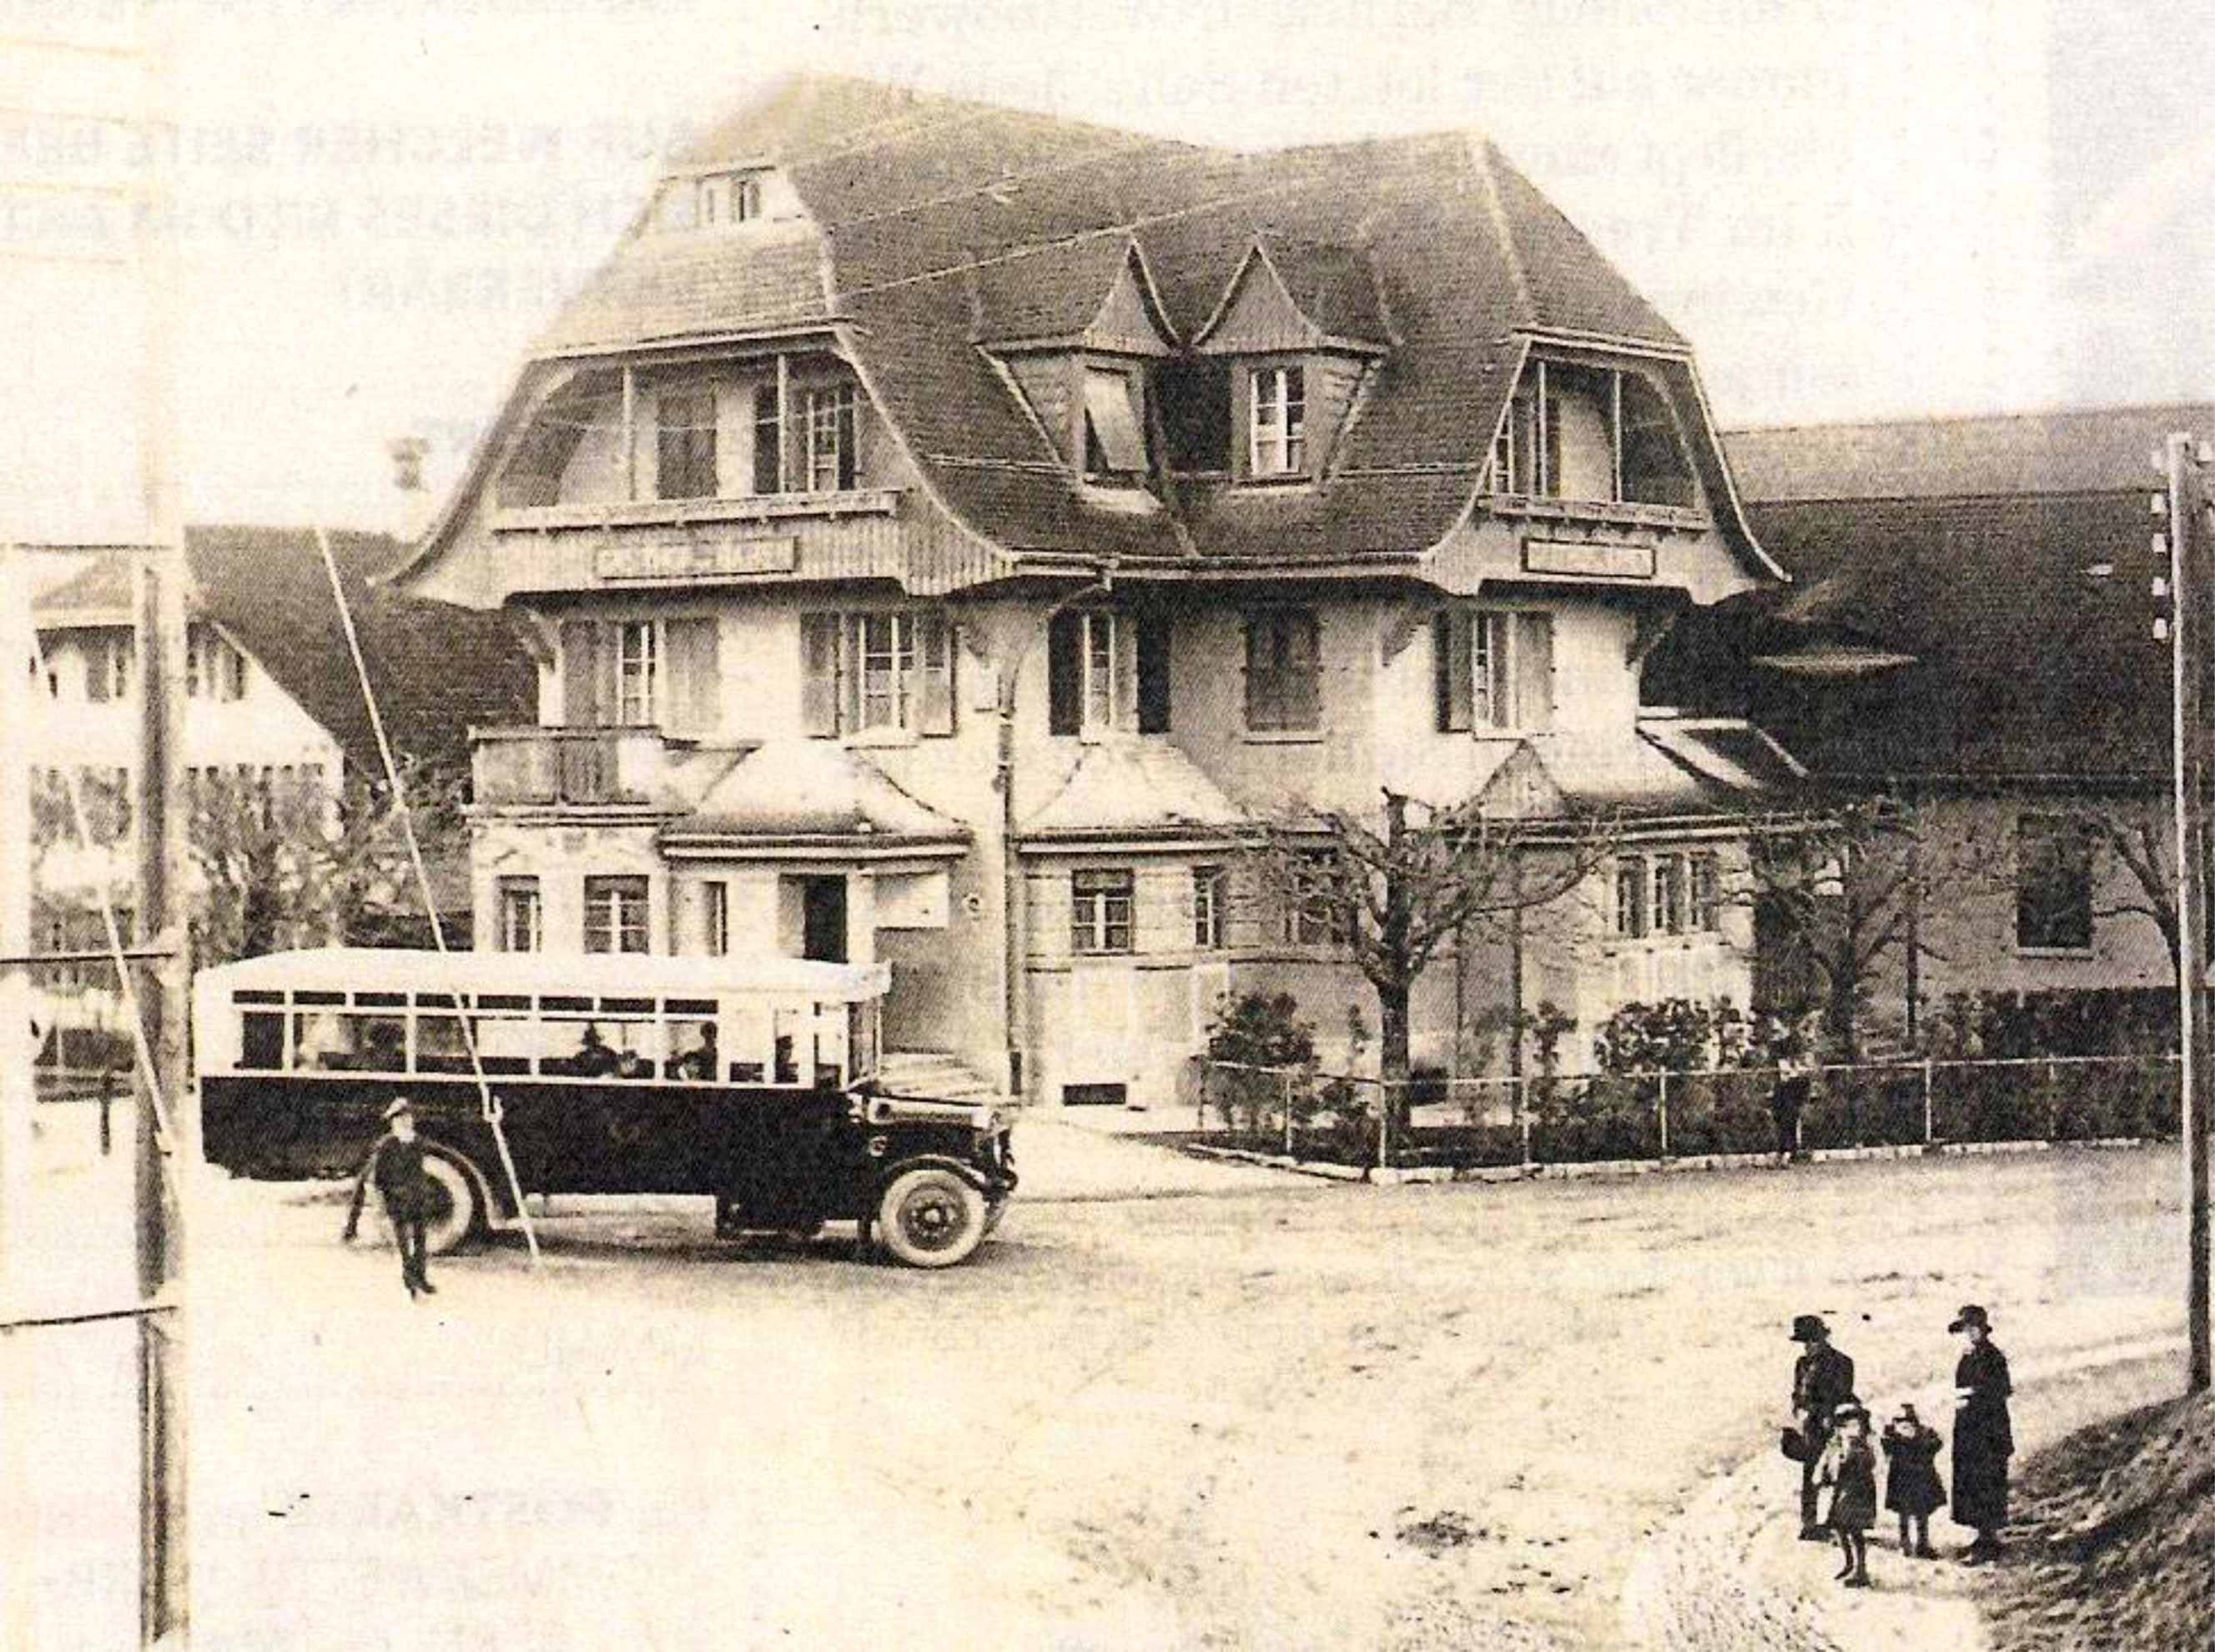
(577, 767)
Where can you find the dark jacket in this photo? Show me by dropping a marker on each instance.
(402, 1182)
(1910, 1478)
(1822, 1381)
(1983, 1438)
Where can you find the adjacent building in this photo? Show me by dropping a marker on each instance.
(1971, 630)
(943, 533)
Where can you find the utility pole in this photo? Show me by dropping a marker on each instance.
(2191, 583)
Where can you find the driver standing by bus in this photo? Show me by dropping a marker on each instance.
(397, 1166)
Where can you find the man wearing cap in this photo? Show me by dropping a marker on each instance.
(405, 1186)
(1984, 1436)
(1822, 1381)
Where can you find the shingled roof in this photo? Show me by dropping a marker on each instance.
(936, 226)
(2008, 556)
(436, 669)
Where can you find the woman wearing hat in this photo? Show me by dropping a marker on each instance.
(1822, 1381)
(397, 1166)
(1983, 1437)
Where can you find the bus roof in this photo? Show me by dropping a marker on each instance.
(634, 974)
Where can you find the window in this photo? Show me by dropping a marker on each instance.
(1107, 670)
(1630, 898)
(828, 422)
(1277, 434)
(715, 919)
(1577, 432)
(1100, 913)
(110, 664)
(686, 456)
(1211, 901)
(214, 670)
(614, 914)
(1115, 438)
(2053, 884)
(1493, 670)
(1194, 397)
(1666, 890)
(728, 199)
(887, 669)
(1706, 895)
(107, 794)
(638, 667)
(1283, 673)
(769, 441)
(520, 915)
(1317, 909)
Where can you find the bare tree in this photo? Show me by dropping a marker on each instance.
(1395, 888)
(285, 863)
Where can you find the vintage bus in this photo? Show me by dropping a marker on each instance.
(752, 1081)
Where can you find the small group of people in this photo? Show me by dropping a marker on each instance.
(1832, 1437)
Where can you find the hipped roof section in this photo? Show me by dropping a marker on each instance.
(940, 225)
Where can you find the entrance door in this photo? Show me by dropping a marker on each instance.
(823, 919)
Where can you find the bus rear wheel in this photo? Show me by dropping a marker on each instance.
(931, 1218)
(457, 1214)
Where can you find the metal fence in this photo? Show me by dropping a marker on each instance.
(1510, 1122)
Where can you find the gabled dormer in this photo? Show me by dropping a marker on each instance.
(1076, 328)
(1587, 431)
(1285, 350)
(720, 195)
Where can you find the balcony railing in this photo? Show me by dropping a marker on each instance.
(556, 765)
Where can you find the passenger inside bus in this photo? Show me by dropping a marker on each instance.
(699, 1062)
(594, 1060)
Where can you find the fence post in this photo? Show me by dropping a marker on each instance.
(1522, 1115)
(1383, 1125)
(1661, 1112)
(1929, 1110)
(106, 1098)
(1286, 1080)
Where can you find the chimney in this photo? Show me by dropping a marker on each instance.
(408, 454)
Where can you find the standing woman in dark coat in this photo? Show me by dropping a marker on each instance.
(1983, 1437)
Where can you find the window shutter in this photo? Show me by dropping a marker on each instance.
(1534, 670)
(819, 668)
(1305, 691)
(1065, 672)
(584, 704)
(694, 675)
(1155, 651)
(1123, 657)
(1454, 686)
(1258, 680)
(934, 648)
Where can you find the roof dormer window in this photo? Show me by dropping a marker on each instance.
(706, 199)
(1277, 424)
(1114, 429)
(1578, 433)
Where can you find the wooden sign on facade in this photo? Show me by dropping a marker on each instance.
(696, 559)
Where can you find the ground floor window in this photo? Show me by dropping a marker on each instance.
(614, 914)
(1210, 907)
(1667, 893)
(1318, 907)
(1100, 907)
(521, 915)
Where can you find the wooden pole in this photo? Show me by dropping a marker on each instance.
(2192, 570)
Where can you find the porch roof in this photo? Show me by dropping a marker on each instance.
(812, 792)
(1134, 787)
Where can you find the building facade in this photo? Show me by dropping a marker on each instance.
(946, 535)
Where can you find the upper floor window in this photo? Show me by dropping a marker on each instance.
(1630, 913)
(1277, 423)
(1114, 426)
(1493, 669)
(521, 915)
(111, 664)
(1107, 670)
(1580, 433)
(1100, 912)
(715, 917)
(1283, 672)
(1211, 908)
(614, 914)
(890, 669)
(769, 441)
(686, 449)
(712, 199)
(214, 670)
(2053, 899)
(663, 672)
(828, 421)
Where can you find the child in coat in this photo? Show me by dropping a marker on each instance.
(1848, 1474)
(1911, 1486)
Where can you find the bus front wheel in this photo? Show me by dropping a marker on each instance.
(458, 1213)
(931, 1218)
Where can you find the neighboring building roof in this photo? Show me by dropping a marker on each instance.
(1667, 766)
(436, 669)
(1134, 787)
(2078, 450)
(790, 790)
(938, 226)
(2021, 599)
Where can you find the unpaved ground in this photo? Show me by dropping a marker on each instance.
(1318, 1417)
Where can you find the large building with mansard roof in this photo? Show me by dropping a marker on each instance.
(945, 531)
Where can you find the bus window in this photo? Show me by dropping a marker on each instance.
(747, 1041)
(261, 1041)
(341, 1042)
(830, 1029)
(439, 1045)
(506, 1044)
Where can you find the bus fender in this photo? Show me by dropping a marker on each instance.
(968, 1173)
(497, 1210)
